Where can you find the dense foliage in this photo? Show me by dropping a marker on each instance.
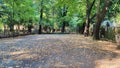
(50, 15)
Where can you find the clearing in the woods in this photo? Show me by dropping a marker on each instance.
(58, 51)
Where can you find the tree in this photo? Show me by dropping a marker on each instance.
(64, 13)
(102, 8)
(88, 13)
(19, 12)
(41, 17)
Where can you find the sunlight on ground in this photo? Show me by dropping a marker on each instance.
(60, 64)
(60, 51)
(20, 55)
(17, 52)
(107, 63)
(26, 56)
(109, 46)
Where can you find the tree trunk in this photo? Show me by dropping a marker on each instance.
(40, 29)
(86, 30)
(88, 12)
(97, 27)
(64, 22)
(11, 28)
(63, 27)
(30, 26)
(41, 17)
(99, 18)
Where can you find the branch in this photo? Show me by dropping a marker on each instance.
(105, 8)
(93, 17)
(91, 6)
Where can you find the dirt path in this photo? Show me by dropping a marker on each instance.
(57, 51)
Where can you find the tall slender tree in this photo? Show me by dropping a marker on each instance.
(41, 17)
(89, 7)
(64, 13)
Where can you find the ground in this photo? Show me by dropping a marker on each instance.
(58, 51)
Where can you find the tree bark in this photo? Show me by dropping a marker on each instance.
(64, 22)
(63, 27)
(11, 26)
(99, 18)
(30, 26)
(40, 29)
(91, 19)
(41, 17)
(88, 12)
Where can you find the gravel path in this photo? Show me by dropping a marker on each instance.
(54, 51)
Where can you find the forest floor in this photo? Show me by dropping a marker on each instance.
(58, 51)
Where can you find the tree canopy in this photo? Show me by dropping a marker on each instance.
(58, 14)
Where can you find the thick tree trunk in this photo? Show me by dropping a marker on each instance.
(99, 18)
(97, 27)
